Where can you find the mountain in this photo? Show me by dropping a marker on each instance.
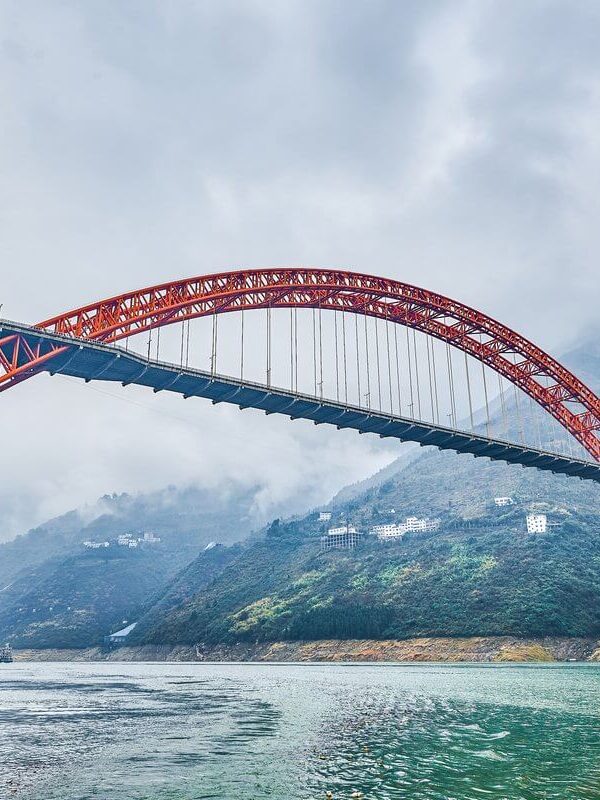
(480, 574)
(57, 592)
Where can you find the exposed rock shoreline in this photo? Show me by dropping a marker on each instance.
(434, 649)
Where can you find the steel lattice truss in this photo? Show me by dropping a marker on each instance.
(511, 355)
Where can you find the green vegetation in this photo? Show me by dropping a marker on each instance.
(485, 581)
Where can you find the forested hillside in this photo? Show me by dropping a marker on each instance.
(481, 574)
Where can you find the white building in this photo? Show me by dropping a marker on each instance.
(503, 501)
(150, 538)
(96, 545)
(423, 524)
(124, 539)
(342, 537)
(324, 516)
(341, 529)
(391, 531)
(537, 523)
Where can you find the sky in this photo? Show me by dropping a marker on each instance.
(452, 145)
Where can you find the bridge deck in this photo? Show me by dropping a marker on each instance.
(95, 361)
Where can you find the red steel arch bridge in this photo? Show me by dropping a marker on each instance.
(347, 349)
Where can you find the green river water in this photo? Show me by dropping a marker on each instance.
(247, 731)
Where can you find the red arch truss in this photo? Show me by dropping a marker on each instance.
(524, 364)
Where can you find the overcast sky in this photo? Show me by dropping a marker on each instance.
(449, 144)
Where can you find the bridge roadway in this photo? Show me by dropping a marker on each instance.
(97, 361)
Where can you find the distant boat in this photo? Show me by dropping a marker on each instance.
(6, 656)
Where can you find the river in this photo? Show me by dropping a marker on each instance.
(251, 731)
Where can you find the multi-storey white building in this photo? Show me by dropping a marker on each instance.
(96, 545)
(503, 501)
(390, 531)
(423, 524)
(537, 523)
(343, 537)
(324, 516)
(150, 538)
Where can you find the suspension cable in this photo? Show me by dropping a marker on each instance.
(368, 395)
(389, 364)
(485, 391)
(378, 365)
(291, 349)
(469, 391)
(345, 364)
(502, 404)
(269, 345)
(416, 359)
(213, 355)
(314, 330)
(296, 346)
(452, 414)
(357, 359)
(187, 344)
(536, 422)
(181, 346)
(410, 382)
(397, 369)
(435, 386)
(517, 405)
(242, 348)
(337, 368)
(320, 354)
(430, 379)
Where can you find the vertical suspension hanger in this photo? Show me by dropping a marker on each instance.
(269, 344)
(398, 381)
(517, 404)
(357, 358)
(181, 345)
(387, 341)
(502, 404)
(320, 354)
(242, 346)
(296, 347)
(291, 309)
(368, 394)
(337, 368)
(410, 381)
(344, 351)
(469, 392)
(416, 361)
(213, 354)
(435, 386)
(314, 329)
(452, 414)
(430, 378)
(187, 345)
(485, 391)
(376, 320)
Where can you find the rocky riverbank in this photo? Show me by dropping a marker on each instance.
(469, 649)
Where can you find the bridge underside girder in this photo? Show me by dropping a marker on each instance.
(94, 361)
